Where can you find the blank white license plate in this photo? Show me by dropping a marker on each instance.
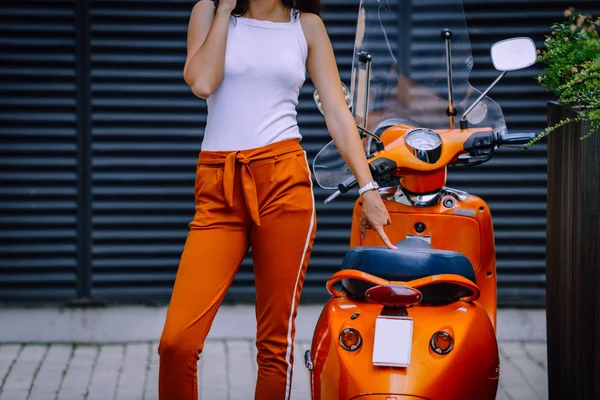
(393, 341)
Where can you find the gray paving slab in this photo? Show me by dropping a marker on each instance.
(536, 374)
(240, 369)
(516, 379)
(79, 371)
(538, 352)
(48, 380)
(8, 357)
(502, 394)
(226, 371)
(254, 353)
(135, 371)
(19, 381)
(107, 372)
(151, 386)
(213, 379)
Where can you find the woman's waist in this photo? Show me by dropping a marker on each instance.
(246, 134)
(277, 148)
(248, 107)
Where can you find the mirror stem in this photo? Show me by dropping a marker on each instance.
(447, 36)
(366, 132)
(378, 143)
(485, 92)
(365, 58)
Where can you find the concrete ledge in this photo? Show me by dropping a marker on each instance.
(139, 323)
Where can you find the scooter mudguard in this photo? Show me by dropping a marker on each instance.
(469, 371)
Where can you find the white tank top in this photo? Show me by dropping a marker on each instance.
(255, 104)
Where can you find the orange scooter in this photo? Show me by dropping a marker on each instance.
(418, 322)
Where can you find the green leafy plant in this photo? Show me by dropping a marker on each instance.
(572, 58)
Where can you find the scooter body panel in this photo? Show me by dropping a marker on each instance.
(469, 371)
(466, 227)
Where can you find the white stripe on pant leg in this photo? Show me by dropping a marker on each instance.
(288, 386)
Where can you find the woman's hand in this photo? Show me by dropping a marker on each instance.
(375, 216)
(227, 5)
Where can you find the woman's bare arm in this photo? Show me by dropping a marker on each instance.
(206, 41)
(323, 70)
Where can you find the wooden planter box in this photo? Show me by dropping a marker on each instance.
(573, 261)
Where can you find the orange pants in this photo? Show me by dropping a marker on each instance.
(259, 197)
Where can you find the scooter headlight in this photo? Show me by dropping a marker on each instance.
(425, 144)
(442, 342)
(350, 339)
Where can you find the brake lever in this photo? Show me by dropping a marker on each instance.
(471, 161)
(333, 197)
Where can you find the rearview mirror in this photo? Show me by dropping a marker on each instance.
(513, 54)
(346, 96)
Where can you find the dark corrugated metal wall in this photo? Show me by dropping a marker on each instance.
(103, 214)
(146, 131)
(38, 152)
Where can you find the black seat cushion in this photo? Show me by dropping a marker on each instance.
(414, 259)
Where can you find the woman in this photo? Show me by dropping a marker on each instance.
(253, 185)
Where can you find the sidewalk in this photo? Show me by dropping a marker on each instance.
(111, 354)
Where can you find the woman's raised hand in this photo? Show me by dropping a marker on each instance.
(227, 5)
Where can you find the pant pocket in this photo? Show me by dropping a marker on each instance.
(207, 181)
(302, 160)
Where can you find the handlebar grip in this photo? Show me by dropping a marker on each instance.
(347, 184)
(515, 138)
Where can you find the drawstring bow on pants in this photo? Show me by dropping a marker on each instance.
(248, 183)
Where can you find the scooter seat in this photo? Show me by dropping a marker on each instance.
(414, 259)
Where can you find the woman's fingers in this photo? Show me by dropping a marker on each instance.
(384, 238)
(377, 227)
(364, 222)
(375, 216)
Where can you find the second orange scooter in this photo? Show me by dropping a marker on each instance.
(418, 322)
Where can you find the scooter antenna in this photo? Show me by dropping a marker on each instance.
(451, 111)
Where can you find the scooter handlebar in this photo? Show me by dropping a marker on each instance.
(417, 283)
(342, 188)
(515, 139)
(347, 184)
(333, 197)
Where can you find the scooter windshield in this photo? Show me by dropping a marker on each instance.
(400, 75)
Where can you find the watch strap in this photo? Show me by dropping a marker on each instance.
(368, 187)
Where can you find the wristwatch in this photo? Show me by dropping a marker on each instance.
(369, 186)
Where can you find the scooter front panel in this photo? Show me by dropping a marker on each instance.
(446, 232)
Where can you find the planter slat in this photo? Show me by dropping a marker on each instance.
(573, 261)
